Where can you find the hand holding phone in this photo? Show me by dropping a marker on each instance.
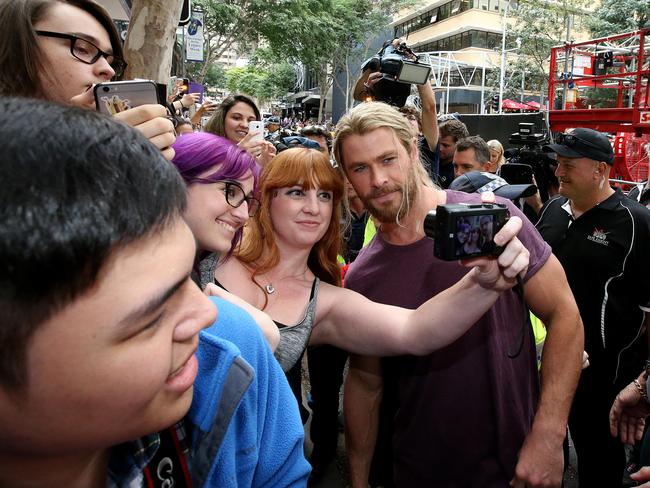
(256, 127)
(113, 97)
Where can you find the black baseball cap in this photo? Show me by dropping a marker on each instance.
(481, 181)
(583, 143)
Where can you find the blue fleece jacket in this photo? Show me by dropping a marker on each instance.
(245, 429)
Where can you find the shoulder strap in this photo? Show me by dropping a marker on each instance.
(168, 467)
(313, 288)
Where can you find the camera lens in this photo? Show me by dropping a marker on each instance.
(105, 88)
(430, 224)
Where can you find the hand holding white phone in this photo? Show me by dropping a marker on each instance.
(258, 127)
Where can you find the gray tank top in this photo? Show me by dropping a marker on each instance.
(294, 339)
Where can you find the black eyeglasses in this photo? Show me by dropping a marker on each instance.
(235, 195)
(86, 52)
(571, 140)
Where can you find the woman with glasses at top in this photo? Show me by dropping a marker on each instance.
(231, 119)
(59, 49)
(287, 266)
(221, 179)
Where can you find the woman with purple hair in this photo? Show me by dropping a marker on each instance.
(221, 180)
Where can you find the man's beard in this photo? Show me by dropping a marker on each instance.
(395, 211)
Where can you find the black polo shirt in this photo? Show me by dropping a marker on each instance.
(606, 256)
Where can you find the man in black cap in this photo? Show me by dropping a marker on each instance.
(275, 134)
(601, 238)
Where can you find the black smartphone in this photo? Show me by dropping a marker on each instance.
(117, 96)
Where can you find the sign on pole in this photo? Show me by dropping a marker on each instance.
(194, 37)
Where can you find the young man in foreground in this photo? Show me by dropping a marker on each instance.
(99, 335)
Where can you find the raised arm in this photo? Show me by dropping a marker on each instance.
(363, 393)
(429, 115)
(352, 322)
(549, 297)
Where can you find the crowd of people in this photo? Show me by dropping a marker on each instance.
(161, 286)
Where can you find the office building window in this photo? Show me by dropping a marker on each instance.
(442, 12)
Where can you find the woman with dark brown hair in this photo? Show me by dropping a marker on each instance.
(231, 119)
(59, 49)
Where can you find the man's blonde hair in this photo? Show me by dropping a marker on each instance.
(370, 116)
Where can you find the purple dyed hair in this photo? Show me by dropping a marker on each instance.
(200, 152)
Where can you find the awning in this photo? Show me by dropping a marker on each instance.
(313, 99)
(508, 104)
(534, 105)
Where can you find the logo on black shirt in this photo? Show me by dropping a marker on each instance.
(599, 236)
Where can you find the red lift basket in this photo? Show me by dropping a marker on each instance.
(620, 63)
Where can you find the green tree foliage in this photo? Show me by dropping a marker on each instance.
(229, 23)
(215, 76)
(619, 16)
(263, 78)
(322, 34)
(554, 23)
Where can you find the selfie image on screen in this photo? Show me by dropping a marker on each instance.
(474, 235)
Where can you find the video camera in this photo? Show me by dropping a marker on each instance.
(401, 68)
(454, 229)
(529, 159)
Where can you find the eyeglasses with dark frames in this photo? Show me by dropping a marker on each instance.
(234, 193)
(86, 52)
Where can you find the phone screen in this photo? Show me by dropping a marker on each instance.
(117, 96)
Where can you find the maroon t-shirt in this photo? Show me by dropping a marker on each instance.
(461, 413)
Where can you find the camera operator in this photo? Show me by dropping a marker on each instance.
(427, 143)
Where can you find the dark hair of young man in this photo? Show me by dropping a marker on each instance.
(481, 149)
(454, 128)
(76, 186)
(20, 58)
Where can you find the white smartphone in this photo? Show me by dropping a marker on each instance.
(256, 126)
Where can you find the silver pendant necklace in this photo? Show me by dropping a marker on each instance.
(269, 288)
